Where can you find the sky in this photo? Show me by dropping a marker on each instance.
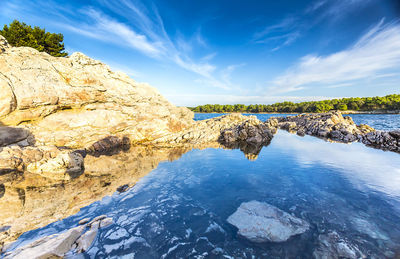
(230, 51)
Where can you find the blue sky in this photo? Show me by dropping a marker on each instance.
(198, 52)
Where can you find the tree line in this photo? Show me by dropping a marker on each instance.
(388, 103)
(19, 34)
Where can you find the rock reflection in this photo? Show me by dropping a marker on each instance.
(30, 201)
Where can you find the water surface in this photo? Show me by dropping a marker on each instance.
(377, 121)
(180, 208)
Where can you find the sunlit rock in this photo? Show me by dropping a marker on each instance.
(331, 125)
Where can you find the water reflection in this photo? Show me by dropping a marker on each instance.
(365, 167)
(347, 193)
(29, 201)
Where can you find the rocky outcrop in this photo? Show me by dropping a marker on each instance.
(251, 131)
(55, 111)
(76, 101)
(331, 125)
(262, 222)
(383, 140)
(77, 239)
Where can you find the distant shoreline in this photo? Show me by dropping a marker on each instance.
(343, 112)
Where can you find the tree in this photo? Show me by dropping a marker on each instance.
(22, 35)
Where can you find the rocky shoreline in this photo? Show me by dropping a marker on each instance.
(63, 119)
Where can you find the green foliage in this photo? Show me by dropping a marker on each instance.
(22, 35)
(389, 102)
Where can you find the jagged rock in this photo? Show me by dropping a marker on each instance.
(76, 101)
(331, 245)
(331, 125)
(262, 222)
(201, 132)
(383, 140)
(250, 131)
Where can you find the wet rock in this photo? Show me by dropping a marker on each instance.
(383, 140)
(331, 245)
(123, 188)
(331, 125)
(251, 131)
(74, 240)
(261, 222)
(84, 221)
(49, 246)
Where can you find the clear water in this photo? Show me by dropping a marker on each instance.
(377, 121)
(179, 210)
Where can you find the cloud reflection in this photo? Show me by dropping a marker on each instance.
(364, 167)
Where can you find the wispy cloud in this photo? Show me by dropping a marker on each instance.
(107, 29)
(281, 34)
(225, 78)
(132, 25)
(373, 54)
(294, 26)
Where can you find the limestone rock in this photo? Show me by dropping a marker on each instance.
(49, 246)
(251, 131)
(261, 222)
(58, 245)
(76, 101)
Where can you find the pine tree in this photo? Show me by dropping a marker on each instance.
(22, 35)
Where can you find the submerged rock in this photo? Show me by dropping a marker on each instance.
(262, 222)
(332, 246)
(74, 240)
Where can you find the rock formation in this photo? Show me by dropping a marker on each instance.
(31, 200)
(331, 125)
(383, 140)
(77, 239)
(76, 101)
(261, 222)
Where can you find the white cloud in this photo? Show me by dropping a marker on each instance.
(374, 53)
(150, 38)
(106, 29)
